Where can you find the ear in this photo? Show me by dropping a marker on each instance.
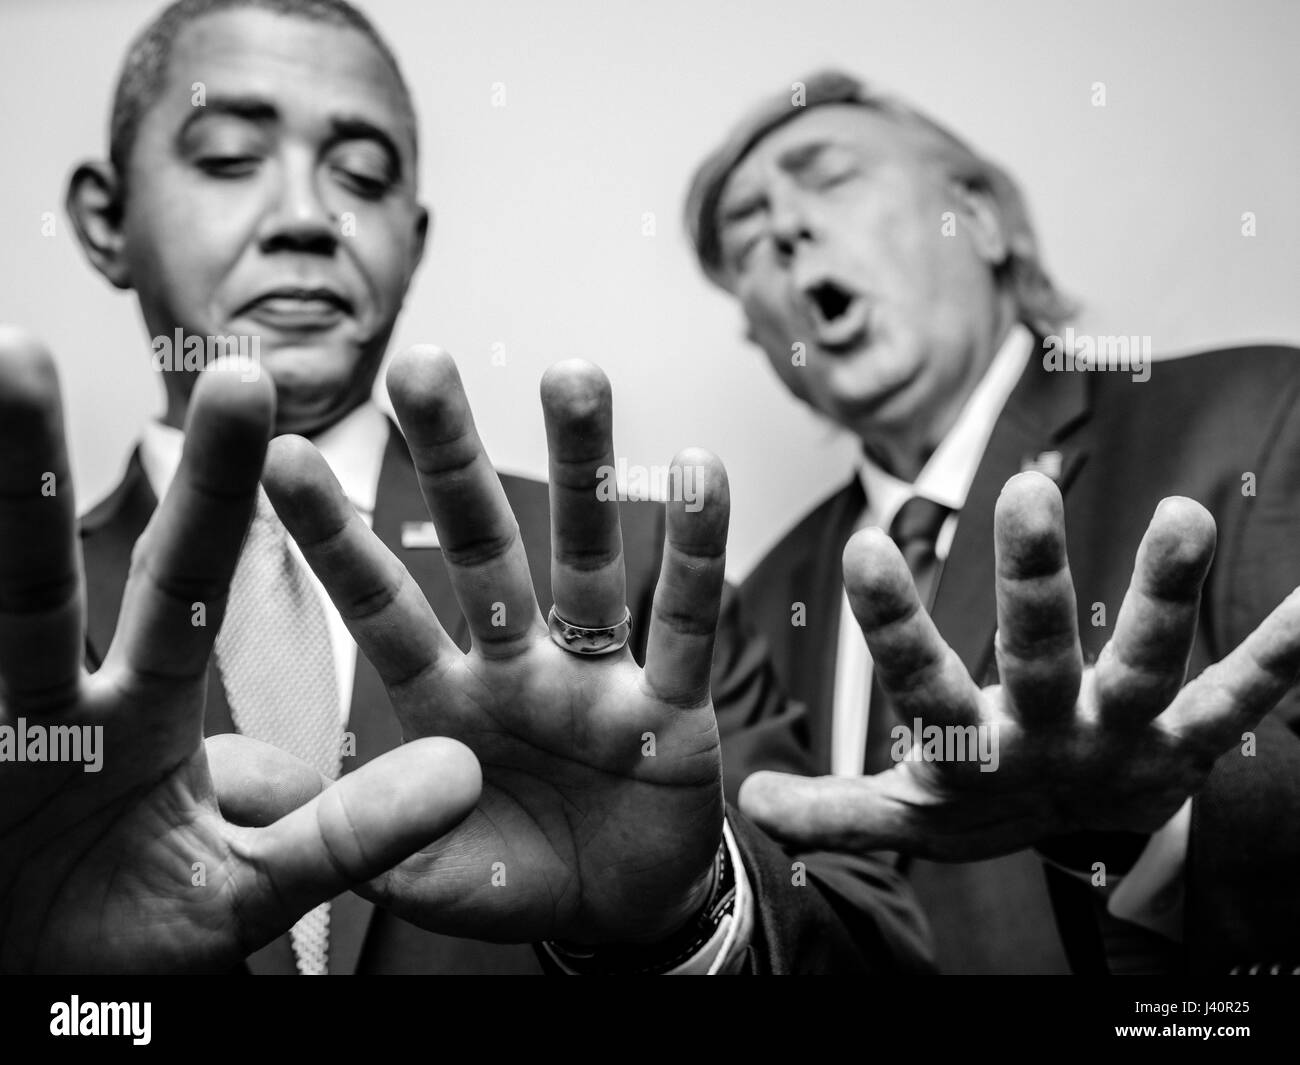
(423, 227)
(94, 204)
(983, 221)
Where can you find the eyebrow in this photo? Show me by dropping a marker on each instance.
(799, 158)
(249, 108)
(264, 113)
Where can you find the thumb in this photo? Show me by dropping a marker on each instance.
(257, 783)
(357, 828)
(819, 813)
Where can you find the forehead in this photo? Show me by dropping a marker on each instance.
(295, 64)
(864, 130)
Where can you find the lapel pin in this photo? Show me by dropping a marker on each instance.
(419, 535)
(1048, 463)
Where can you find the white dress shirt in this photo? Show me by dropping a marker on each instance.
(1151, 893)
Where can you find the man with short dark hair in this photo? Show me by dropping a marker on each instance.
(261, 188)
(891, 275)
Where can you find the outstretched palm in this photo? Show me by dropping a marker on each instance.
(1120, 745)
(131, 866)
(602, 803)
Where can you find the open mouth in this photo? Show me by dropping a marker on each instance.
(839, 315)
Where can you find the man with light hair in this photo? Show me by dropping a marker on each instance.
(891, 275)
(533, 724)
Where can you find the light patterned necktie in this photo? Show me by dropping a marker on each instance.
(277, 666)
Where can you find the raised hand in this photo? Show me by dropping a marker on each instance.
(602, 807)
(130, 866)
(1120, 745)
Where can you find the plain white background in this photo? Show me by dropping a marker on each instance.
(541, 204)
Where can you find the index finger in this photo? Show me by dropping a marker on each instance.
(921, 674)
(477, 530)
(187, 555)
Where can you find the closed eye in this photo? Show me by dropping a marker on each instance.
(228, 166)
(363, 185)
(835, 177)
(363, 168)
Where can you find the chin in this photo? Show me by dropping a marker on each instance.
(304, 417)
(309, 385)
(860, 392)
(305, 362)
(868, 405)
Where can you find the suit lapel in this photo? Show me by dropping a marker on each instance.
(108, 536)
(1042, 413)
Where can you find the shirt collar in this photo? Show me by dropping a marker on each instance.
(352, 447)
(947, 477)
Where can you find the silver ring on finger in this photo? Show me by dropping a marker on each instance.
(582, 641)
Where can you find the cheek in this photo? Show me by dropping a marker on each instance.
(383, 250)
(181, 257)
(782, 356)
(900, 239)
(942, 264)
(902, 251)
(936, 281)
(767, 327)
(764, 304)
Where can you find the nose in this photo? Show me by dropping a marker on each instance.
(791, 225)
(297, 218)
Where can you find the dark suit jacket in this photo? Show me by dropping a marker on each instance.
(1197, 428)
(853, 915)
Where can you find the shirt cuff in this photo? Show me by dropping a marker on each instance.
(1151, 894)
(725, 953)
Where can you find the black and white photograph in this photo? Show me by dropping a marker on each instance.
(703, 487)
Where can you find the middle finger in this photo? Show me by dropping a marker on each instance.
(477, 530)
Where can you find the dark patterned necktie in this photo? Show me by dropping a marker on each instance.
(277, 666)
(915, 529)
